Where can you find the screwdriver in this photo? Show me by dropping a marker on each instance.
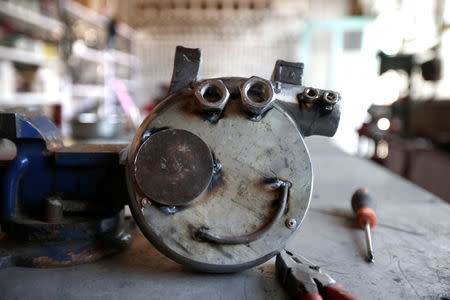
(364, 206)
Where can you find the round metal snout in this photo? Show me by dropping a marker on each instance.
(257, 95)
(310, 94)
(173, 167)
(330, 98)
(212, 94)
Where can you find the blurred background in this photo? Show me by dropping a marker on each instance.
(97, 67)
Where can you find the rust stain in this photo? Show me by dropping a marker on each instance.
(86, 256)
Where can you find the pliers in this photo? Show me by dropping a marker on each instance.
(304, 281)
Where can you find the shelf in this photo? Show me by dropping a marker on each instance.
(29, 98)
(88, 15)
(94, 90)
(25, 57)
(101, 56)
(34, 20)
(88, 90)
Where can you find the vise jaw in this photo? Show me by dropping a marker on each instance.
(59, 205)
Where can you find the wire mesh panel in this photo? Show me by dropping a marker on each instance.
(238, 38)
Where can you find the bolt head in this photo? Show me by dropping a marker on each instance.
(206, 105)
(257, 107)
(145, 202)
(291, 223)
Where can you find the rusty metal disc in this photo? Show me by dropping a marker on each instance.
(173, 167)
(236, 202)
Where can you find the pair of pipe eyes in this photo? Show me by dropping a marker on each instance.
(256, 91)
(311, 94)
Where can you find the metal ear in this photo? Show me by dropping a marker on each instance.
(186, 68)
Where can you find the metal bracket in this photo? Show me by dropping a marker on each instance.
(186, 68)
(288, 72)
(203, 234)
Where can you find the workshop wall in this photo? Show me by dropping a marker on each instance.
(248, 35)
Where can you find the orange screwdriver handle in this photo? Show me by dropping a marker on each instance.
(364, 206)
(364, 215)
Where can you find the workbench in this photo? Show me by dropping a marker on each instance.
(411, 241)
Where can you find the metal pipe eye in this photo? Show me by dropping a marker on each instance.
(330, 98)
(310, 94)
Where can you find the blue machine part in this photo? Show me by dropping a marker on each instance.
(43, 168)
(87, 179)
(15, 126)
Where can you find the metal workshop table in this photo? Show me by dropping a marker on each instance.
(412, 249)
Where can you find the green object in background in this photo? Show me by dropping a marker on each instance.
(344, 35)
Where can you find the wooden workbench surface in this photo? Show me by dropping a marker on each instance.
(411, 241)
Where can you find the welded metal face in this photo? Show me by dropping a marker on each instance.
(173, 167)
(252, 181)
(236, 200)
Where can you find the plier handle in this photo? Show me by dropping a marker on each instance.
(304, 281)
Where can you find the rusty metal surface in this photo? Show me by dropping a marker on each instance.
(49, 254)
(173, 167)
(235, 203)
(74, 228)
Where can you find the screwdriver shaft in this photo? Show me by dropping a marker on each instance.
(370, 255)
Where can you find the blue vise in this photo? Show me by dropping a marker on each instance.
(55, 194)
